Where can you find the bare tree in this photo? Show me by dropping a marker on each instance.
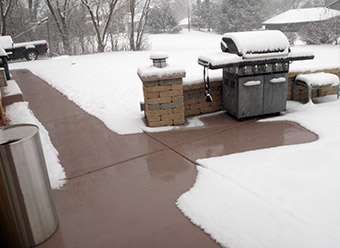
(33, 6)
(101, 12)
(5, 8)
(188, 5)
(325, 32)
(61, 11)
(137, 27)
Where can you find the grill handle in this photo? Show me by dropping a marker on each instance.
(252, 83)
(277, 80)
(208, 97)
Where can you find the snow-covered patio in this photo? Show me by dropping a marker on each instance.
(271, 192)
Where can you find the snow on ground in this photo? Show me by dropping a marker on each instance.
(19, 113)
(107, 86)
(287, 196)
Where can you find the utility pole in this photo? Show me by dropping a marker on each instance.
(45, 20)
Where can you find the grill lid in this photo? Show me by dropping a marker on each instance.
(255, 44)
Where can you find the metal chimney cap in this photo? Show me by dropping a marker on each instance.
(159, 55)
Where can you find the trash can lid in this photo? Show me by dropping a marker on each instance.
(16, 133)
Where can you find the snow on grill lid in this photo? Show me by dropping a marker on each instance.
(256, 42)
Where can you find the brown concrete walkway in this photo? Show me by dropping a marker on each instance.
(122, 190)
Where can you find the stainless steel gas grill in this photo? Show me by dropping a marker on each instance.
(255, 71)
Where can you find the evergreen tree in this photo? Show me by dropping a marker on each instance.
(241, 15)
(204, 13)
(197, 13)
(162, 19)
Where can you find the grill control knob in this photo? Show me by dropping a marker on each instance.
(275, 66)
(255, 68)
(285, 66)
(244, 69)
(265, 67)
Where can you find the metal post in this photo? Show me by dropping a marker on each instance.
(49, 39)
(42, 21)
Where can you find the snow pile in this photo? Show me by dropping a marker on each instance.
(303, 15)
(319, 79)
(155, 72)
(159, 55)
(11, 89)
(220, 58)
(259, 41)
(280, 197)
(19, 113)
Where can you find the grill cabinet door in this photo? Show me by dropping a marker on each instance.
(229, 92)
(250, 96)
(275, 93)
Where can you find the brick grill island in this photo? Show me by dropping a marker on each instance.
(255, 71)
(163, 92)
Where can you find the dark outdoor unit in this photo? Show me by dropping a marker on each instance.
(255, 71)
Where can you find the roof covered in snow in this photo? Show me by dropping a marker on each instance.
(303, 15)
(184, 21)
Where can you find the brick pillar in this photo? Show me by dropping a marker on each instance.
(163, 95)
(3, 79)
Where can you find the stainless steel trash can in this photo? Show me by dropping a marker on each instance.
(27, 210)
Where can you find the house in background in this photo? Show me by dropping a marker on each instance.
(334, 5)
(184, 23)
(293, 20)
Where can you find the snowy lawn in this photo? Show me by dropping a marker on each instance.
(19, 113)
(287, 196)
(107, 86)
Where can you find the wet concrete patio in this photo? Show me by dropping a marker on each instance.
(122, 190)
